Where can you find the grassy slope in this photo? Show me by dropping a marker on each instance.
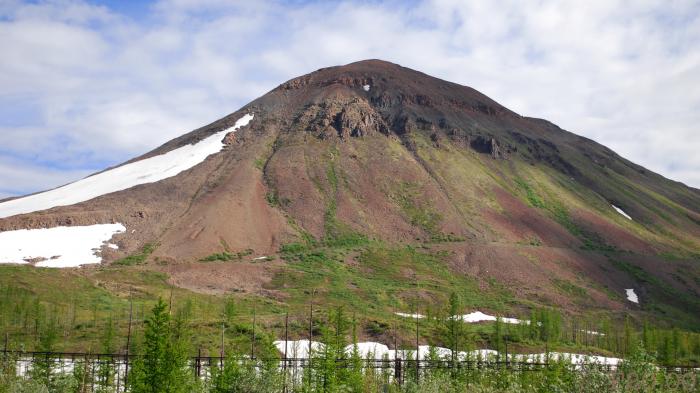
(370, 278)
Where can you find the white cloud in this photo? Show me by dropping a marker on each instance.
(18, 176)
(99, 87)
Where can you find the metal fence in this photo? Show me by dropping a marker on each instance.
(113, 369)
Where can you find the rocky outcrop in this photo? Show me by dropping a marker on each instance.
(229, 139)
(344, 119)
(487, 145)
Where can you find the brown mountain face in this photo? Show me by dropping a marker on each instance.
(374, 150)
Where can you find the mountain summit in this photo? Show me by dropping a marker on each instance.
(372, 151)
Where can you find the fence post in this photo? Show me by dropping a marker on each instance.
(221, 353)
(118, 376)
(199, 363)
(252, 342)
(397, 370)
(286, 341)
(128, 342)
(417, 353)
(311, 330)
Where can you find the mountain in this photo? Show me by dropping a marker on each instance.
(373, 155)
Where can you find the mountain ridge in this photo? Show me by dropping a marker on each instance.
(373, 150)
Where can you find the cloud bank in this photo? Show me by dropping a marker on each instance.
(85, 85)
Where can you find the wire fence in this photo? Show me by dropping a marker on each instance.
(100, 370)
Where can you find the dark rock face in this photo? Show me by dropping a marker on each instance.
(345, 119)
(487, 145)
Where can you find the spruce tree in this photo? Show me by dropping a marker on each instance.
(454, 328)
(163, 368)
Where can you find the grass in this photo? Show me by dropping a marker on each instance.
(259, 163)
(533, 199)
(138, 258)
(445, 238)
(370, 281)
(373, 278)
(82, 301)
(418, 214)
(570, 288)
(531, 241)
(675, 301)
(591, 240)
(227, 256)
(337, 234)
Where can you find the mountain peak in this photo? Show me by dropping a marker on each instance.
(374, 150)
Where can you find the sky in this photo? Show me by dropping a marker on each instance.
(88, 84)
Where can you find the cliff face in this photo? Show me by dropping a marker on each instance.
(382, 151)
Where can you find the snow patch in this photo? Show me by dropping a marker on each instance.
(370, 350)
(479, 316)
(592, 332)
(113, 246)
(474, 317)
(572, 358)
(260, 258)
(297, 349)
(365, 87)
(126, 176)
(374, 350)
(56, 247)
(631, 295)
(414, 316)
(621, 212)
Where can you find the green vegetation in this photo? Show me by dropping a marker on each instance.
(259, 163)
(531, 241)
(420, 215)
(164, 350)
(227, 256)
(162, 366)
(445, 238)
(592, 241)
(137, 259)
(337, 233)
(372, 277)
(642, 276)
(569, 288)
(274, 200)
(533, 199)
(369, 278)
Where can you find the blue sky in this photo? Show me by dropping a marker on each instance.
(85, 85)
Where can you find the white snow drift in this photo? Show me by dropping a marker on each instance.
(414, 316)
(145, 171)
(479, 316)
(475, 317)
(56, 247)
(621, 212)
(631, 295)
(374, 350)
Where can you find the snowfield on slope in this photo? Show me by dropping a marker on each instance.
(631, 295)
(479, 316)
(414, 316)
(617, 209)
(126, 176)
(475, 317)
(56, 247)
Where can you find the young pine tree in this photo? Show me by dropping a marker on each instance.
(164, 367)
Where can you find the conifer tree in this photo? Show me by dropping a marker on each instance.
(454, 328)
(163, 368)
